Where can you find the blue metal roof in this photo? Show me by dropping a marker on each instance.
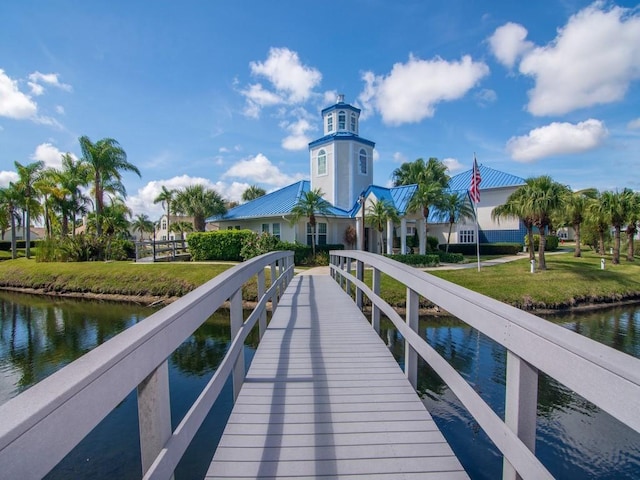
(340, 106)
(277, 203)
(490, 179)
(341, 135)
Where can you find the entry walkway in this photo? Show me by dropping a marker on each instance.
(324, 398)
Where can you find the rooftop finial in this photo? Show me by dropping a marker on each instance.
(341, 98)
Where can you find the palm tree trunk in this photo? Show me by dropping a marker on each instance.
(449, 237)
(14, 248)
(616, 246)
(577, 252)
(28, 231)
(542, 264)
(601, 242)
(631, 232)
(532, 253)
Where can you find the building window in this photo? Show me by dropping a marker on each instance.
(353, 123)
(362, 162)
(322, 162)
(164, 224)
(342, 121)
(321, 231)
(330, 123)
(467, 236)
(275, 230)
(265, 228)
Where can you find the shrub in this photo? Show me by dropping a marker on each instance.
(486, 248)
(432, 244)
(257, 244)
(550, 245)
(450, 257)
(417, 260)
(219, 245)
(119, 250)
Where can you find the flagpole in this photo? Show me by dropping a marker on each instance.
(474, 192)
(477, 235)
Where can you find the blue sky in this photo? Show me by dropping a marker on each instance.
(229, 93)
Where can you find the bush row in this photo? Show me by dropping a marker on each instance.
(429, 260)
(486, 248)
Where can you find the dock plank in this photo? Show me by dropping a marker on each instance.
(324, 398)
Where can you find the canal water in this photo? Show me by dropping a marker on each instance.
(39, 335)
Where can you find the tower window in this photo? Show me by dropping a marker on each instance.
(362, 161)
(330, 123)
(342, 121)
(353, 123)
(322, 162)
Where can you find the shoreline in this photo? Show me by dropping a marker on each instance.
(156, 301)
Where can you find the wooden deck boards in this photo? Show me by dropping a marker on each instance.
(324, 398)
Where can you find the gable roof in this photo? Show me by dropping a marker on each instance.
(277, 203)
(490, 179)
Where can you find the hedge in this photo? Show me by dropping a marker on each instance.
(219, 245)
(551, 242)
(486, 248)
(417, 260)
(5, 245)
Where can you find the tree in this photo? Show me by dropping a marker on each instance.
(431, 180)
(253, 192)
(9, 199)
(166, 197)
(543, 198)
(199, 202)
(378, 214)
(106, 160)
(28, 175)
(598, 219)
(73, 175)
(455, 207)
(632, 200)
(142, 224)
(308, 205)
(516, 208)
(613, 207)
(182, 227)
(575, 206)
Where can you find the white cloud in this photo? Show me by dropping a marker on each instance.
(284, 70)
(59, 109)
(557, 139)
(486, 96)
(593, 60)
(376, 155)
(258, 98)
(329, 97)
(297, 138)
(260, 169)
(634, 124)
(508, 43)
(410, 92)
(399, 157)
(452, 164)
(37, 79)
(49, 154)
(14, 103)
(6, 177)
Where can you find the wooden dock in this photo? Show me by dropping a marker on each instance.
(324, 398)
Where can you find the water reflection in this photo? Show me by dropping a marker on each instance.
(575, 439)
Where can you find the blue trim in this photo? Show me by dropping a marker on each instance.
(340, 106)
(332, 137)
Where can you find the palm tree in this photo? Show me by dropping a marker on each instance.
(455, 207)
(28, 175)
(199, 202)
(516, 208)
(378, 214)
(106, 160)
(142, 224)
(614, 208)
(253, 192)
(182, 227)
(543, 199)
(431, 180)
(308, 205)
(599, 218)
(632, 200)
(575, 210)
(73, 175)
(52, 197)
(166, 197)
(9, 199)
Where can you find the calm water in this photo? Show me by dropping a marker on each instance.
(575, 439)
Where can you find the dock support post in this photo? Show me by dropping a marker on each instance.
(520, 406)
(154, 414)
(236, 323)
(410, 355)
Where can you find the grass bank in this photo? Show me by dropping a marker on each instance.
(568, 282)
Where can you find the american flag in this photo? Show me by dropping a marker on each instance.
(474, 190)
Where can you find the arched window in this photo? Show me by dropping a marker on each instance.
(353, 123)
(362, 161)
(342, 121)
(330, 123)
(322, 162)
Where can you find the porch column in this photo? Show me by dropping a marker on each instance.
(403, 236)
(389, 237)
(359, 233)
(422, 235)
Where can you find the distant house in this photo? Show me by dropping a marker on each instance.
(341, 165)
(162, 227)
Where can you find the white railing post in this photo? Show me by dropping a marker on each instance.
(375, 311)
(237, 320)
(342, 279)
(359, 276)
(262, 323)
(520, 406)
(154, 414)
(274, 298)
(348, 281)
(410, 355)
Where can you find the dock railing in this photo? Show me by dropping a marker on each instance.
(162, 250)
(42, 425)
(606, 377)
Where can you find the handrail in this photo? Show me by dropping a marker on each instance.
(606, 377)
(77, 397)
